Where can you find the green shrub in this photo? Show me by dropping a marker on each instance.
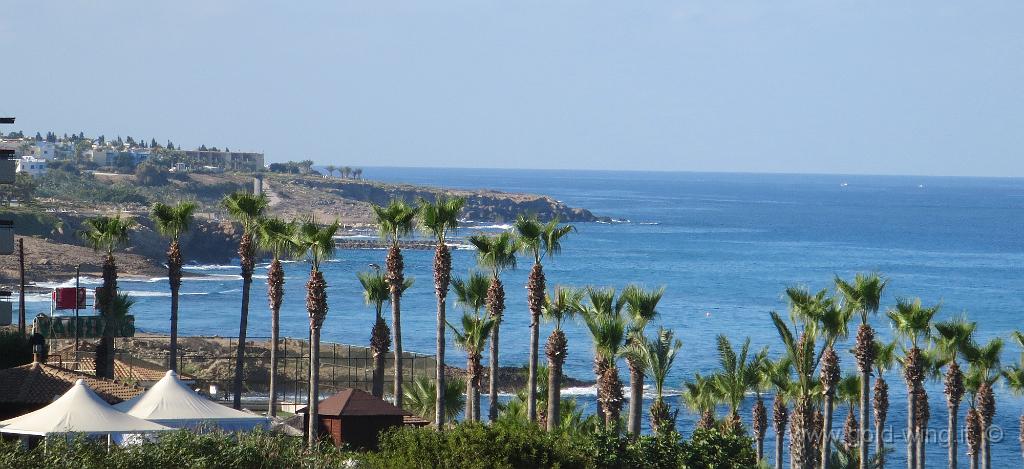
(712, 449)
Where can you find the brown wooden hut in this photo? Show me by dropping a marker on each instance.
(356, 418)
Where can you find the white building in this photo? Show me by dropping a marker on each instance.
(102, 156)
(31, 165)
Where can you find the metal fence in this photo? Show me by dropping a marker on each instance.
(210, 362)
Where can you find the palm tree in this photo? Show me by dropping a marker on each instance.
(701, 396)
(496, 253)
(848, 392)
(472, 296)
(800, 348)
(775, 375)
(330, 170)
(641, 307)
(833, 325)
(318, 244)
(420, 395)
(539, 240)
(375, 293)
(173, 221)
(563, 304)
(277, 237)
(438, 219)
(603, 318)
(884, 359)
(106, 234)
(656, 357)
(1014, 376)
(984, 371)
(952, 338)
(472, 338)
(912, 323)
(740, 374)
(394, 222)
(247, 209)
(863, 296)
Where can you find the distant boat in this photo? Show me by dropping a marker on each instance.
(844, 184)
(920, 186)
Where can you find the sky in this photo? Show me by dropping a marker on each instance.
(924, 87)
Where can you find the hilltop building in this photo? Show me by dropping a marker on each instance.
(31, 165)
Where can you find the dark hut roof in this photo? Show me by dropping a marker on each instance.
(356, 402)
(39, 383)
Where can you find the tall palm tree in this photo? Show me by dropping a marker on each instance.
(913, 324)
(951, 339)
(1014, 376)
(775, 375)
(740, 374)
(393, 222)
(376, 293)
(172, 221)
(641, 307)
(559, 306)
(471, 294)
(106, 234)
(472, 338)
(539, 240)
(318, 244)
(276, 237)
(603, 318)
(985, 368)
(246, 209)
(438, 219)
(330, 171)
(495, 253)
(833, 321)
(656, 357)
(863, 295)
(799, 342)
(884, 359)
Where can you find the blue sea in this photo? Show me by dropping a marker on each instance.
(725, 246)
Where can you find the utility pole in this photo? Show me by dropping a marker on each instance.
(78, 275)
(21, 296)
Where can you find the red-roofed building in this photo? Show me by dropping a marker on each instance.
(26, 388)
(356, 418)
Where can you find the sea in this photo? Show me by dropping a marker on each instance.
(725, 246)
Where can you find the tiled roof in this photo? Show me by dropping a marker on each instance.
(40, 383)
(353, 402)
(126, 368)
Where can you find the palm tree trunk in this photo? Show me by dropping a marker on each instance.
(105, 351)
(1021, 437)
(275, 294)
(972, 433)
(881, 404)
(245, 254)
(535, 298)
(396, 281)
(951, 421)
(826, 434)
(174, 279)
(380, 342)
(496, 308)
(911, 432)
(636, 396)
(865, 353)
(759, 422)
(442, 276)
(556, 351)
(780, 417)
(986, 405)
(314, 385)
(468, 414)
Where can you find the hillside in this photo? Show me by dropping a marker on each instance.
(61, 200)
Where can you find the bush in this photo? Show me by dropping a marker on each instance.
(177, 449)
(712, 449)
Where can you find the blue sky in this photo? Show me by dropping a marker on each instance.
(880, 87)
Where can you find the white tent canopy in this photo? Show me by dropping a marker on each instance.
(79, 410)
(170, 402)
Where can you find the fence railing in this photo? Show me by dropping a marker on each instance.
(209, 361)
